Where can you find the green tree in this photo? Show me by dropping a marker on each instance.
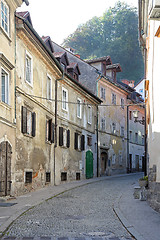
(115, 34)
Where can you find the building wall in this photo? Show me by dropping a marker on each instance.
(7, 65)
(136, 146)
(36, 155)
(153, 72)
(114, 144)
(140, 88)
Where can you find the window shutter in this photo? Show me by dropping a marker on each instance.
(60, 136)
(68, 138)
(52, 133)
(49, 129)
(24, 120)
(76, 141)
(82, 143)
(33, 124)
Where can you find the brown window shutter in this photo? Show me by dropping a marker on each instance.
(33, 124)
(60, 136)
(52, 133)
(76, 140)
(68, 138)
(49, 129)
(82, 143)
(24, 120)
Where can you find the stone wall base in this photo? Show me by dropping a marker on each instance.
(154, 190)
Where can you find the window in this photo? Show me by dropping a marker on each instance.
(103, 124)
(75, 76)
(130, 136)
(120, 159)
(28, 177)
(89, 140)
(49, 88)
(78, 176)
(113, 159)
(48, 177)
(49, 131)
(28, 68)
(64, 137)
(4, 16)
(64, 99)
(89, 114)
(122, 131)
(79, 142)
(122, 103)
(63, 176)
(143, 140)
(28, 122)
(4, 86)
(136, 137)
(79, 108)
(113, 98)
(130, 115)
(103, 93)
(113, 128)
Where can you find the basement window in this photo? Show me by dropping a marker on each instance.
(63, 176)
(78, 176)
(28, 177)
(48, 177)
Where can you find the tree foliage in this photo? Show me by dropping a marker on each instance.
(114, 34)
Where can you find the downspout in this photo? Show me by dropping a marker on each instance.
(97, 128)
(15, 56)
(55, 126)
(128, 164)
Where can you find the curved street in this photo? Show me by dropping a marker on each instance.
(84, 212)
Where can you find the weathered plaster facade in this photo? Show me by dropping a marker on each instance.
(40, 158)
(7, 96)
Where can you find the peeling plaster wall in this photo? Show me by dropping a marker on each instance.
(113, 143)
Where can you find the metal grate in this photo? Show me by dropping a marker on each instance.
(48, 177)
(28, 177)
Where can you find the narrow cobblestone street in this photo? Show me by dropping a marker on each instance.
(85, 212)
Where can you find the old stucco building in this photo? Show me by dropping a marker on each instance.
(7, 96)
(149, 33)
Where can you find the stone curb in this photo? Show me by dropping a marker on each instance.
(125, 221)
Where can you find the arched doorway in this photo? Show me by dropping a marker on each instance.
(5, 168)
(89, 164)
(104, 162)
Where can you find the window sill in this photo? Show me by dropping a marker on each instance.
(48, 142)
(6, 105)
(27, 135)
(29, 84)
(6, 34)
(65, 110)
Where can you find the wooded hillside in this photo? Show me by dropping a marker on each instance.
(114, 34)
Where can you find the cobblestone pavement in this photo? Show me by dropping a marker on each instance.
(82, 213)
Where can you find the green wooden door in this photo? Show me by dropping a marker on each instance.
(89, 164)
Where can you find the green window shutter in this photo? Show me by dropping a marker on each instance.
(60, 136)
(82, 143)
(52, 133)
(68, 138)
(33, 124)
(24, 120)
(49, 129)
(76, 140)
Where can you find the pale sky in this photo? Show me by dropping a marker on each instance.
(58, 19)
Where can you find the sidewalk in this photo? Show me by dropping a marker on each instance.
(139, 219)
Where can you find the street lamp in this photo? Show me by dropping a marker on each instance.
(135, 115)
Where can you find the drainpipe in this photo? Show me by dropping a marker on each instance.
(128, 139)
(145, 125)
(97, 127)
(15, 56)
(55, 126)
